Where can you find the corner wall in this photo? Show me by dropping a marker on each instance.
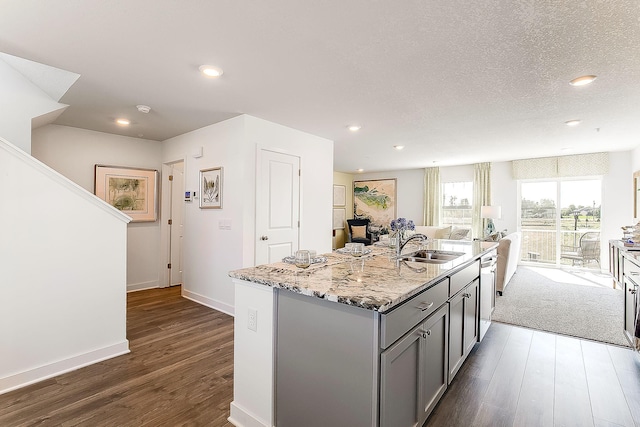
(211, 251)
(74, 152)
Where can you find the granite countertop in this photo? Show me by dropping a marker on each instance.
(374, 282)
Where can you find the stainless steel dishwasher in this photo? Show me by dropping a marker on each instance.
(488, 265)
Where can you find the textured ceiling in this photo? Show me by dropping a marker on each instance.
(455, 82)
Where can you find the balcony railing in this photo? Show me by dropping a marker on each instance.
(541, 246)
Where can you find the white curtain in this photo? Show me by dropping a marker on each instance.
(481, 195)
(431, 196)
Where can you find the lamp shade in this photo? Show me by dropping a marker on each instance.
(493, 212)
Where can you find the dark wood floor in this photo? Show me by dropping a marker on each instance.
(180, 372)
(520, 377)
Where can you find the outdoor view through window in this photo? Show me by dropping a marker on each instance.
(456, 204)
(560, 222)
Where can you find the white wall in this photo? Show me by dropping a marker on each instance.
(410, 191)
(210, 252)
(74, 152)
(617, 199)
(20, 102)
(63, 284)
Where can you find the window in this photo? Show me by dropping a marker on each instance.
(555, 216)
(457, 199)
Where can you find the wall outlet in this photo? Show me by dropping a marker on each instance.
(252, 320)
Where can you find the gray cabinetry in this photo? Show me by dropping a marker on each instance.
(463, 329)
(624, 266)
(631, 289)
(413, 372)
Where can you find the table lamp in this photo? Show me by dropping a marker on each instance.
(490, 213)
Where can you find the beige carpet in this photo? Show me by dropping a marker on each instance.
(581, 305)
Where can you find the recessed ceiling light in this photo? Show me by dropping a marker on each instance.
(211, 71)
(398, 147)
(360, 170)
(143, 108)
(572, 122)
(582, 80)
(354, 128)
(123, 122)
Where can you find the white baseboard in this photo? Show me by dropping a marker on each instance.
(142, 285)
(209, 302)
(35, 375)
(239, 417)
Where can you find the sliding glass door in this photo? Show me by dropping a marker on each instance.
(560, 222)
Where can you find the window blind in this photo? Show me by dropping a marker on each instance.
(560, 167)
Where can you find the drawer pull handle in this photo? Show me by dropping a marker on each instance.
(633, 291)
(425, 307)
(466, 295)
(426, 333)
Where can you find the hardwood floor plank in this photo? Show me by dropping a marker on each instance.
(487, 354)
(505, 385)
(180, 372)
(608, 401)
(627, 366)
(535, 405)
(572, 406)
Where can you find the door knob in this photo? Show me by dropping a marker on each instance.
(264, 237)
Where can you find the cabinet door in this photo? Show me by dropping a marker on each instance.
(471, 316)
(400, 381)
(630, 295)
(435, 331)
(463, 326)
(456, 334)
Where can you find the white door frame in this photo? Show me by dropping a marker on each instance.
(165, 235)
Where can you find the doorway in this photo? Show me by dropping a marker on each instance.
(560, 222)
(173, 193)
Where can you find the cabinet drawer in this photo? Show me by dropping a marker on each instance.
(463, 277)
(399, 321)
(631, 270)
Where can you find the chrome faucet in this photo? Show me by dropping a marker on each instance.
(400, 245)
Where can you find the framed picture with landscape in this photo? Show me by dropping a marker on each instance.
(130, 190)
(211, 188)
(375, 199)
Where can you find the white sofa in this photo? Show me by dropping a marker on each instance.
(448, 232)
(508, 256)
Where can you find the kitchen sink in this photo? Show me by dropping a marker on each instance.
(431, 256)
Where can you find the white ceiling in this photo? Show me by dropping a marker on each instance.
(455, 82)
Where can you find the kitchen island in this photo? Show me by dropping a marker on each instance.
(370, 341)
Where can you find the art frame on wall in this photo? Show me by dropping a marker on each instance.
(134, 191)
(339, 218)
(211, 188)
(376, 200)
(339, 195)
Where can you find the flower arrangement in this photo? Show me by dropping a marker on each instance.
(401, 225)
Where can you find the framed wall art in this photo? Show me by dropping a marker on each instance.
(339, 195)
(211, 188)
(339, 218)
(130, 190)
(376, 200)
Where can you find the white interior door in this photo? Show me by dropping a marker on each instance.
(177, 224)
(277, 206)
